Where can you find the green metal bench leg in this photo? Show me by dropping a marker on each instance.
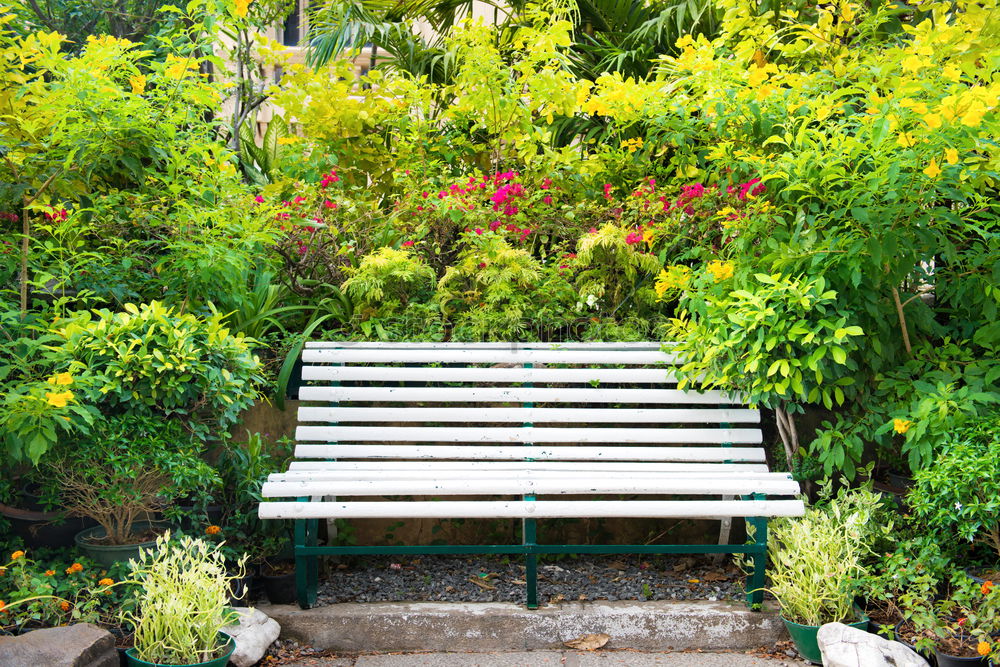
(530, 531)
(306, 567)
(757, 579)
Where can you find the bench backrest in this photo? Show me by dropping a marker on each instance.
(504, 401)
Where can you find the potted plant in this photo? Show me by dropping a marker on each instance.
(183, 605)
(817, 560)
(961, 628)
(129, 468)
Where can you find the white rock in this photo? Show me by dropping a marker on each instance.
(255, 632)
(844, 646)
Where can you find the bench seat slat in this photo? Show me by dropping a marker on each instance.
(383, 466)
(507, 473)
(505, 487)
(532, 415)
(389, 345)
(520, 452)
(502, 434)
(488, 356)
(538, 509)
(576, 395)
(488, 374)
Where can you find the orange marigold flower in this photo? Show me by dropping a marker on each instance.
(50, 573)
(983, 648)
(75, 567)
(213, 530)
(17, 554)
(2, 605)
(64, 605)
(985, 588)
(106, 581)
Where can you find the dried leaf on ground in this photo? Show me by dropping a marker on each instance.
(714, 576)
(590, 642)
(482, 584)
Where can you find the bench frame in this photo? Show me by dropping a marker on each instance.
(307, 553)
(307, 550)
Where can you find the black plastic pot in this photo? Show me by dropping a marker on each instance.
(279, 588)
(239, 591)
(945, 660)
(41, 529)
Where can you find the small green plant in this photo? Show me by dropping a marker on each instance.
(963, 623)
(184, 601)
(647, 592)
(50, 593)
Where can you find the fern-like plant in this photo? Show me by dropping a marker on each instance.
(386, 280)
(498, 292)
(616, 270)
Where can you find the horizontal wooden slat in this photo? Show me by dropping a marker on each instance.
(515, 395)
(526, 474)
(503, 434)
(631, 345)
(532, 415)
(485, 374)
(522, 486)
(539, 509)
(514, 468)
(565, 453)
(488, 356)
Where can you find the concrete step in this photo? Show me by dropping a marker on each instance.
(497, 626)
(600, 658)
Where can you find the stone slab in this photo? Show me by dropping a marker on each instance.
(493, 626)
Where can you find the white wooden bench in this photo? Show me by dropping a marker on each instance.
(539, 429)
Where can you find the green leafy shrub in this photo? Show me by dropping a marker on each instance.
(126, 468)
(778, 340)
(38, 404)
(154, 361)
(959, 493)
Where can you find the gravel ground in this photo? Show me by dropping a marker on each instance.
(498, 579)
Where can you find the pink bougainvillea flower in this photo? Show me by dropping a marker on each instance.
(329, 204)
(259, 199)
(607, 190)
(547, 199)
(407, 244)
(482, 265)
(546, 183)
(479, 231)
(634, 238)
(593, 230)
(494, 225)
